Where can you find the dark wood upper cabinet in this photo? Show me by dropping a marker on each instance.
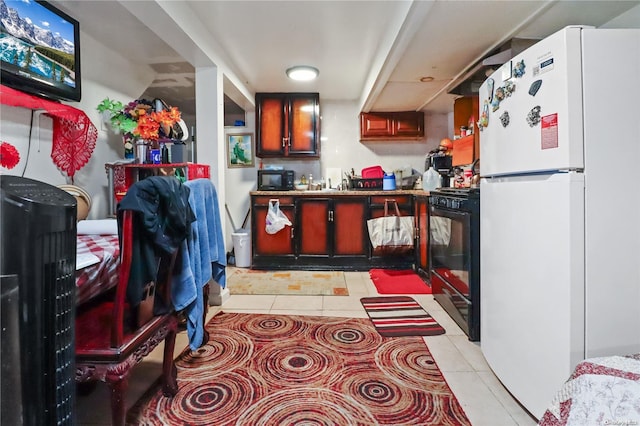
(465, 109)
(406, 125)
(287, 124)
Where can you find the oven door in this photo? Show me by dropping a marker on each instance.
(450, 248)
(454, 253)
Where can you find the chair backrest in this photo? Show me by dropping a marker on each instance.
(144, 312)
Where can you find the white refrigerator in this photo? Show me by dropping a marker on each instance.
(560, 209)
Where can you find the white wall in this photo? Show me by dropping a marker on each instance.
(104, 73)
(341, 146)
(238, 182)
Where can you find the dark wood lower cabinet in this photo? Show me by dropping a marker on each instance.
(314, 236)
(421, 203)
(328, 233)
(270, 248)
(332, 231)
(350, 234)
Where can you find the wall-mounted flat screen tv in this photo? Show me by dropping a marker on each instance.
(40, 50)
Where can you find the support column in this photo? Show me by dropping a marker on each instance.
(210, 146)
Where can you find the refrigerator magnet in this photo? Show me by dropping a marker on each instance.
(518, 69)
(504, 119)
(509, 87)
(495, 104)
(490, 86)
(549, 135)
(535, 86)
(483, 121)
(533, 118)
(506, 71)
(497, 98)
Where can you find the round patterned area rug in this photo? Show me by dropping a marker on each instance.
(302, 370)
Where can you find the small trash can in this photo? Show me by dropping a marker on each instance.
(242, 247)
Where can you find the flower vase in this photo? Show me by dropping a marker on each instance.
(129, 153)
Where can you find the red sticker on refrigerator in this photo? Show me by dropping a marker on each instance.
(549, 132)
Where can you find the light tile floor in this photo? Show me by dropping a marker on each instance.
(483, 398)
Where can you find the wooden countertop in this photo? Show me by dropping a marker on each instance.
(334, 193)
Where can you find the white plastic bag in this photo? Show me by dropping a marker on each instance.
(275, 220)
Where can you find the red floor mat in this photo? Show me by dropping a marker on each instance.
(393, 281)
(396, 316)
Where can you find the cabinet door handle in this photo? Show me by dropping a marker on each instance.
(330, 215)
(284, 142)
(292, 228)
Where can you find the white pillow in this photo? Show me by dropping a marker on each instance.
(98, 227)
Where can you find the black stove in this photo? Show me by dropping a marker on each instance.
(456, 198)
(454, 254)
(458, 191)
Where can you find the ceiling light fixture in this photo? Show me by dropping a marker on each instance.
(426, 79)
(302, 73)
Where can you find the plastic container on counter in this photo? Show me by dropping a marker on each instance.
(431, 180)
(389, 182)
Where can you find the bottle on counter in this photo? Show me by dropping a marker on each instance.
(164, 154)
(431, 179)
(472, 125)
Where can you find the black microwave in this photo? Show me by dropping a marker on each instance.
(275, 180)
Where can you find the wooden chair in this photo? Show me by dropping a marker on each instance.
(109, 343)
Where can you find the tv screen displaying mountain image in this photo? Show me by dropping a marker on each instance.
(39, 49)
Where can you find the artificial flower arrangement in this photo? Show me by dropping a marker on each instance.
(140, 119)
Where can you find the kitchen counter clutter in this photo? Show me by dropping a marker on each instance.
(328, 229)
(335, 192)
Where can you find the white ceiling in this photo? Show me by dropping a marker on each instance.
(372, 52)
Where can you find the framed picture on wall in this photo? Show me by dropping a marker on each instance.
(240, 150)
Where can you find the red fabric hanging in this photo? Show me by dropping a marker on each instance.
(74, 135)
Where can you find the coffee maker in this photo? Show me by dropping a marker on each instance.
(441, 164)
